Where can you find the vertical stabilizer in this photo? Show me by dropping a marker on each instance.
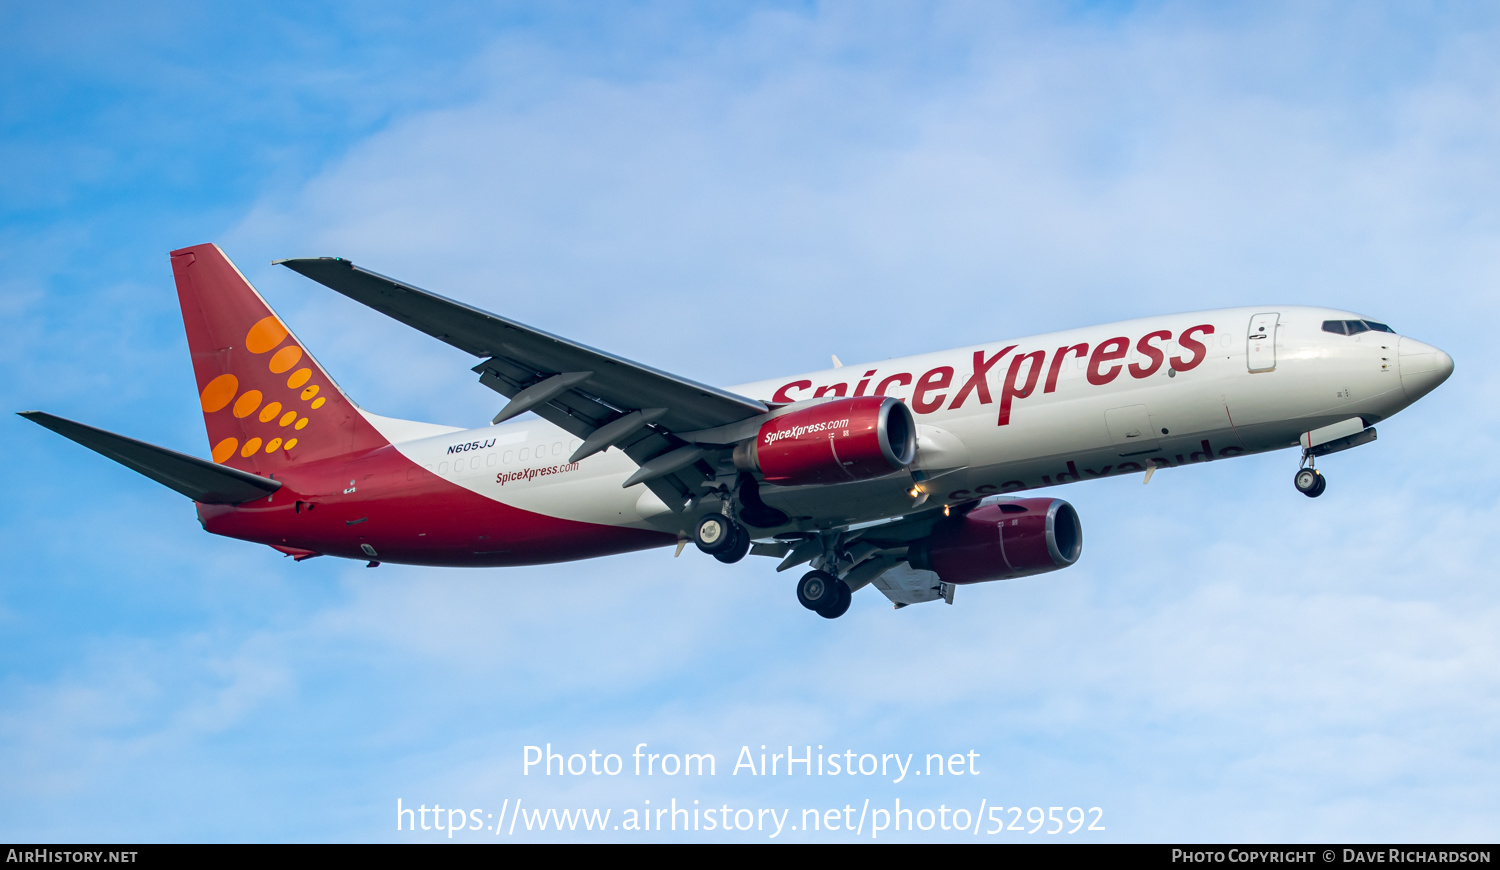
(267, 404)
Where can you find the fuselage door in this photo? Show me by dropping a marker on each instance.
(1260, 344)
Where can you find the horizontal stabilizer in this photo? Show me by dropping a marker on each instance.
(198, 479)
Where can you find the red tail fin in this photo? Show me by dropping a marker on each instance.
(267, 404)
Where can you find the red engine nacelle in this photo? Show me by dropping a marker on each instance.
(833, 442)
(1002, 541)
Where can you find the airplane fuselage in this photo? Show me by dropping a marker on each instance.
(998, 418)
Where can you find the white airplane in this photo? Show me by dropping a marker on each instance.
(901, 474)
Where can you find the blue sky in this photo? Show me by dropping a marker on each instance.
(732, 192)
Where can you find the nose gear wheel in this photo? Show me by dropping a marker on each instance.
(1310, 482)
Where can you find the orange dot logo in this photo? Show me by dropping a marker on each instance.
(287, 418)
(285, 358)
(247, 403)
(309, 392)
(264, 335)
(250, 447)
(318, 402)
(300, 423)
(218, 392)
(225, 449)
(298, 378)
(270, 411)
(272, 445)
(290, 443)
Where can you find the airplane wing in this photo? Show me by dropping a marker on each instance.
(604, 399)
(198, 479)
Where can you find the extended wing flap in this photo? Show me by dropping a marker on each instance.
(198, 479)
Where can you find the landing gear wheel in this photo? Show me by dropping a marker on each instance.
(715, 534)
(1310, 483)
(738, 549)
(818, 590)
(840, 604)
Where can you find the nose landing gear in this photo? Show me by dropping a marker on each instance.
(1335, 438)
(1310, 482)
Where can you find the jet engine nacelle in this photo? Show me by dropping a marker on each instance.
(1001, 541)
(832, 442)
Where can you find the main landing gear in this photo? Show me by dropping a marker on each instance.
(722, 535)
(1310, 482)
(824, 594)
(723, 538)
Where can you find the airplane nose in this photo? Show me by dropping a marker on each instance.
(1422, 367)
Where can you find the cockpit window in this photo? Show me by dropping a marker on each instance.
(1355, 327)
